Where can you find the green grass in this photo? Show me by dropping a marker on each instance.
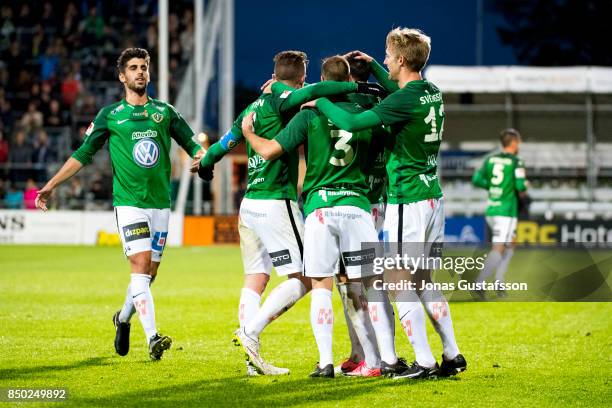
(56, 305)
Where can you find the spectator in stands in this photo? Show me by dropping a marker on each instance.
(92, 27)
(71, 87)
(43, 155)
(54, 115)
(13, 198)
(49, 63)
(6, 114)
(78, 141)
(6, 26)
(20, 157)
(32, 120)
(76, 194)
(4, 148)
(29, 195)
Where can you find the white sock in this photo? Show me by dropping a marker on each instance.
(249, 305)
(128, 309)
(438, 310)
(381, 317)
(413, 321)
(356, 349)
(278, 302)
(360, 319)
(143, 302)
(500, 274)
(491, 264)
(322, 322)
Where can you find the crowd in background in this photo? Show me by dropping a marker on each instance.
(57, 69)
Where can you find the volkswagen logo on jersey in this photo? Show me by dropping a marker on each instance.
(146, 153)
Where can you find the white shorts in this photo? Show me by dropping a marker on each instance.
(333, 231)
(421, 224)
(271, 233)
(503, 228)
(378, 216)
(143, 229)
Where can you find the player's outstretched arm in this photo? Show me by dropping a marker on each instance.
(351, 122)
(314, 91)
(267, 149)
(382, 76)
(69, 169)
(215, 153)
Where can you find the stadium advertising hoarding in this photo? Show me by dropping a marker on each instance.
(69, 228)
(541, 232)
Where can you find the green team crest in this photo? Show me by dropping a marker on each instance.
(157, 117)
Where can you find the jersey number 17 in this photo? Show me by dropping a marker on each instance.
(434, 136)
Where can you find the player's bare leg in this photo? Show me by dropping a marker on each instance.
(322, 322)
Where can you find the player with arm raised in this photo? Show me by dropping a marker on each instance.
(337, 219)
(271, 225)
(351, 292)
(139, 131)
(503, 176)
(414, 112)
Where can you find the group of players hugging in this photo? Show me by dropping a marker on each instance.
(371, 174)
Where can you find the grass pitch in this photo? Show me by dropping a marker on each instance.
(56, 305)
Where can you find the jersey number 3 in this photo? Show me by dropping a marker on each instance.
(435, 135)
(343, 145)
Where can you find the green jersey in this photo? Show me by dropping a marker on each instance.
(503, 175)
(275, 179)
(269, 179)
(415, 117)
(139, 141)
(375, 171)
(336, 159)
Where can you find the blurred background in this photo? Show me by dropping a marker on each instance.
(541, 67)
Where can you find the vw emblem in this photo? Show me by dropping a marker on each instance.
(146, 153)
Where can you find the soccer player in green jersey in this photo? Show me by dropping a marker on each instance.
(351, 292)
(415, 211)
(503, 176)
(337, 210)
(139, 130)
(270, 224)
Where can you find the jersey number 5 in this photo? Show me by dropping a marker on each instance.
(434, 136)
(498, 174)
(343, 145)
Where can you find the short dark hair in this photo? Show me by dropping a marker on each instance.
(335, 68)
(506, 136)
(360, 68)
(130, 53)
(290, 65)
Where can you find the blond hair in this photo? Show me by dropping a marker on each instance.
(412, 44)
